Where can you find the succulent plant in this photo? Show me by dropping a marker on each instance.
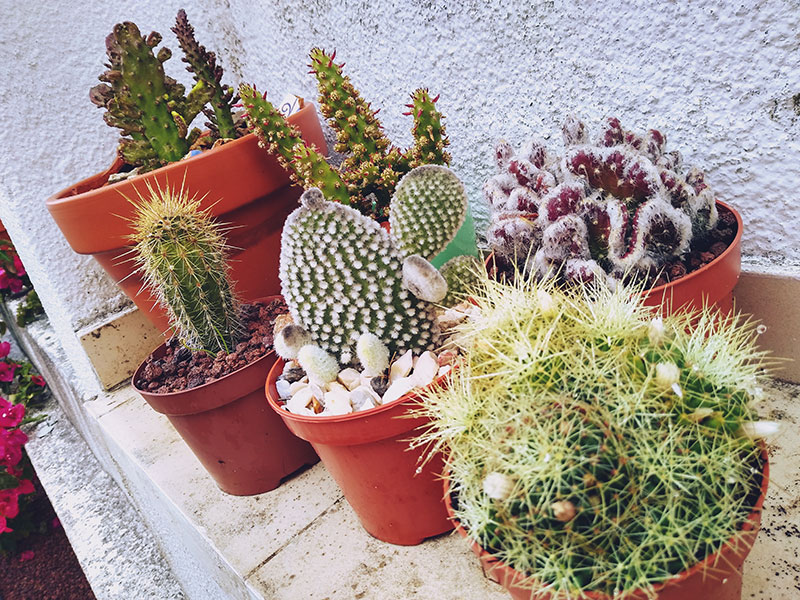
(372, 168)
(592, 447)
(203, 64)
(181, 254)
(619, 208)
(344, 277)
(148, 107)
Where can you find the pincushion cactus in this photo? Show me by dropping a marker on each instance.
(591, 447)
(619, 208)
(372, 167)
(344, 277)
(181, 254)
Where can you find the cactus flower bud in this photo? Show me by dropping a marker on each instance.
(563, 510)
(373, 354)
(290, 340)
(498, 486)
(320, 366)
(667, 375)
(655, 331)
(547, 305)
(759, 429)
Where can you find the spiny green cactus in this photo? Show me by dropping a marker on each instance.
(147, 106)
(181, 254)
(461, 273)
(369, 174)
(342, 277)
(592, 447)
(203, 64)
(306, 166)
(428, 207)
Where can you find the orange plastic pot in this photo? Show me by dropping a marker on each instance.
(240, 441)
(241, 183)
(717, 577)
(368, 455)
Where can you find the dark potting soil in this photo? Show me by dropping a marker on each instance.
(182, 369)
(52, 571)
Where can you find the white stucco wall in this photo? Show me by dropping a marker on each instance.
(721, 79)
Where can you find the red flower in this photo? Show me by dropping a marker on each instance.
(11, 442)
(7, 370)
(18, 266)
(5, 348)
(25, 486)
(38, 380)
(3, 279)
(15, 284)
(26, 555)
(9, 504)
(10, 414)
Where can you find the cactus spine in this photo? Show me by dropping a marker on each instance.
(181, 254)
(148, 107)
(203, 64)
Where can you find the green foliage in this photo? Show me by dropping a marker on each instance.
(149, 108)
(30, 309)
(593, 447)
(203, 64)
(181, 253)
(372, 168)
(462, 274)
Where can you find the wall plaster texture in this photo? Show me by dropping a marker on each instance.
(721, 79)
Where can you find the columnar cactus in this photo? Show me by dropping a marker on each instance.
(372, 168)
(203, 64)
(618, 208)
(344, 277)
(593, 448)
(181, 254)
(148, 107)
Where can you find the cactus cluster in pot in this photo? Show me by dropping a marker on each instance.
(623, 207)
(151, 109)
(372, 167)
(592, 446)
(360, 296)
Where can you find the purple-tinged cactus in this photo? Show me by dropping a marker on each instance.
(620, 208)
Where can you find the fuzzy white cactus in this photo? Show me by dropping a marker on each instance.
(373, 354)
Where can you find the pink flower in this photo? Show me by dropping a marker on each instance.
(7, 370)
(10, 414)
(9, 504)
(18, 266)
(55, 523)
(5, 348)
(3, 279)
(26, 555)
(11, 442)
(25, 487)
(38, 380)
(15, 284)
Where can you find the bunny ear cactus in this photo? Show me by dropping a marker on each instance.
(341, 277)
(181, 254)
(148, 107)
(638, 214)
(203, 64)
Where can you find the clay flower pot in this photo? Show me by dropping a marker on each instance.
(368, 455)
(717, 577)
(229, 426)
(243, 184)
(711, 284)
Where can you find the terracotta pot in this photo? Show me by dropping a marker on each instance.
(243, 185)
(717, 577)
(711, 284)
(368, 455)
(229, 426)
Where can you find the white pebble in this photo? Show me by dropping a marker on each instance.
(399, 388)
(350, 378)
(335, 386)
(443, 370)
(401, 367)
(425, 369)
(300, 402)
(337, 402)
(297, 386)
(284, 388)
(364, 397)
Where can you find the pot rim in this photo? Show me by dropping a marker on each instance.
(176, 395)
(750, 523)
(272, 377)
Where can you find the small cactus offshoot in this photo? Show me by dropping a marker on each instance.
(616, 209)
(372, 167)
(181, 253)
(591, 447)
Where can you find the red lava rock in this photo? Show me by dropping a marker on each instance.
(718, 248)
(676, 271)
(181, 368)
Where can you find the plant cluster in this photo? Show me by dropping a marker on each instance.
(181, 253)
(13, 276)
(151, 109)
(356, 292)
(372, 167)
(30, 309)
(593, 447)
(18, 381)
(15, 476)
(621, 207)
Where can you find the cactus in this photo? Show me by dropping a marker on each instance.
(148, 107)
(343, 276)
(591, 447)
(461, 274)
(203, 64)
(181, 253)
(372, 168)
(638, 213)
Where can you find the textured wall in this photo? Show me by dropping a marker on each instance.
(721, 78)
(52, 136)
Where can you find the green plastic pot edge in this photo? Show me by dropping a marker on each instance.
(463, 243)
